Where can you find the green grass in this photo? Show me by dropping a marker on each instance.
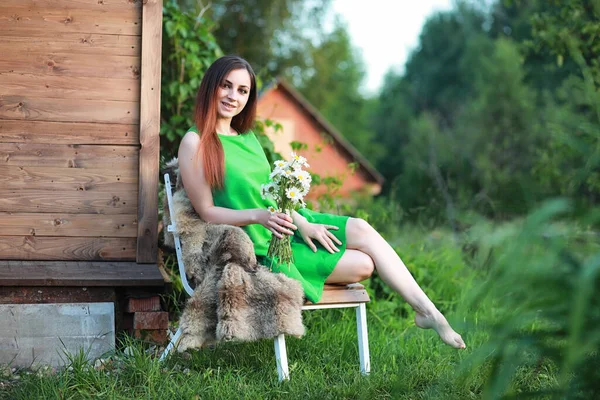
(406, 362)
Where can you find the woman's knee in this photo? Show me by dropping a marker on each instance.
(359, 233)
(366, 268)
(354, 266)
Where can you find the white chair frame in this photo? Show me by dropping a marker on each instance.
(280, 348)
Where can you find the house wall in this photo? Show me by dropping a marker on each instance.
(325, 157)
(69, 129)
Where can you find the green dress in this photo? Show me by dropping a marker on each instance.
(246, 169)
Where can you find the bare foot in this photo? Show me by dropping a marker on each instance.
(438, 322)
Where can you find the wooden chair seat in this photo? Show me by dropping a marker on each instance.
(353, 293)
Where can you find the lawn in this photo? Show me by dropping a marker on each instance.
(406, 362)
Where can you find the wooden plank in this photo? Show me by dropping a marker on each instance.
(93, 5)
(68, 133)
(350, 286)
(67, 225)
(78, 273)
(68, 179)
(74, 202)
(51, 294)
(66, 248)
(343, 296)
(68, 110)
(115, 158)
(61, 87)
(149, 131)
(53, 19)
(72, 65)
(71, 43)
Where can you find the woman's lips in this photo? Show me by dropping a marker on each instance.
(228, 106)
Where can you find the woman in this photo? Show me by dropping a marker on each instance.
(222, 170)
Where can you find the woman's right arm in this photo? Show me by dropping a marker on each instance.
(200, 195)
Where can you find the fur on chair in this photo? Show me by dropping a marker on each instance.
(235, 298)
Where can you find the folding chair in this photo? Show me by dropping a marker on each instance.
(334, 296)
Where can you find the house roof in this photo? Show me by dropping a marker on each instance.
(320, 120)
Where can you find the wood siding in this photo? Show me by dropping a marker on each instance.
(70, 161)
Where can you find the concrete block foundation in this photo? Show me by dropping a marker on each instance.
(41, 334)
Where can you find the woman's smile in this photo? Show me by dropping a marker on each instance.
(228, 106)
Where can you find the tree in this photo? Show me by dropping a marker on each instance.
(332, 84)
(570, 164)
(271, 34)
(439, 79)
(188, 49)
(499, 133)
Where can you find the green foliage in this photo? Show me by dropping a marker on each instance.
(189, 48)
(569, 30)
(496, 112)
(570, 163)
(543, 284)
(275, 36)
(498, 132)
(266, 143)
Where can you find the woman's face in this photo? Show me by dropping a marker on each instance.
(233, 93)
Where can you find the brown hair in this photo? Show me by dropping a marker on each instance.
(205, 116)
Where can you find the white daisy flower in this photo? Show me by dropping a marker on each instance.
(302, 176)
(293, 194)
(276, 173)
(272, 210)
(299, 161)
(280, 164)
(288, 174)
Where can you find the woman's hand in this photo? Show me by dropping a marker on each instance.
(278, 223)
(320, 232)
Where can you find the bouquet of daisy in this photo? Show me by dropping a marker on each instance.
(288, 186)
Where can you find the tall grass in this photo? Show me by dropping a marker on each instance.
(543, 286)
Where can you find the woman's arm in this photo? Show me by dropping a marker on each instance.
(200, 195)
(298, 219)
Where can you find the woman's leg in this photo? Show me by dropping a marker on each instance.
(353, 266)
(362, 238)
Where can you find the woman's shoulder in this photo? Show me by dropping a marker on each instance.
(190, 138)
(189, 143)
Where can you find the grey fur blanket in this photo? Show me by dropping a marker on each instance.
(234, 298)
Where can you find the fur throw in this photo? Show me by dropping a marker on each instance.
(235, 298)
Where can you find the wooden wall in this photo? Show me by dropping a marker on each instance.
(70, 73)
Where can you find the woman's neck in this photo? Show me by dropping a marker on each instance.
(224, 126)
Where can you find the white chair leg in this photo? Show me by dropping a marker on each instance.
(281, 357)
(171, 345)
(363, 339)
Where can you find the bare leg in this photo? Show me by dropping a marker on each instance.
(361, 237)
(354, 266)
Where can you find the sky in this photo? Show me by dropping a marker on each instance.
(385, 31)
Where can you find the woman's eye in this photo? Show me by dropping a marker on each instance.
(243, 91)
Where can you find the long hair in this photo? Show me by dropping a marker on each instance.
(205, 116)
